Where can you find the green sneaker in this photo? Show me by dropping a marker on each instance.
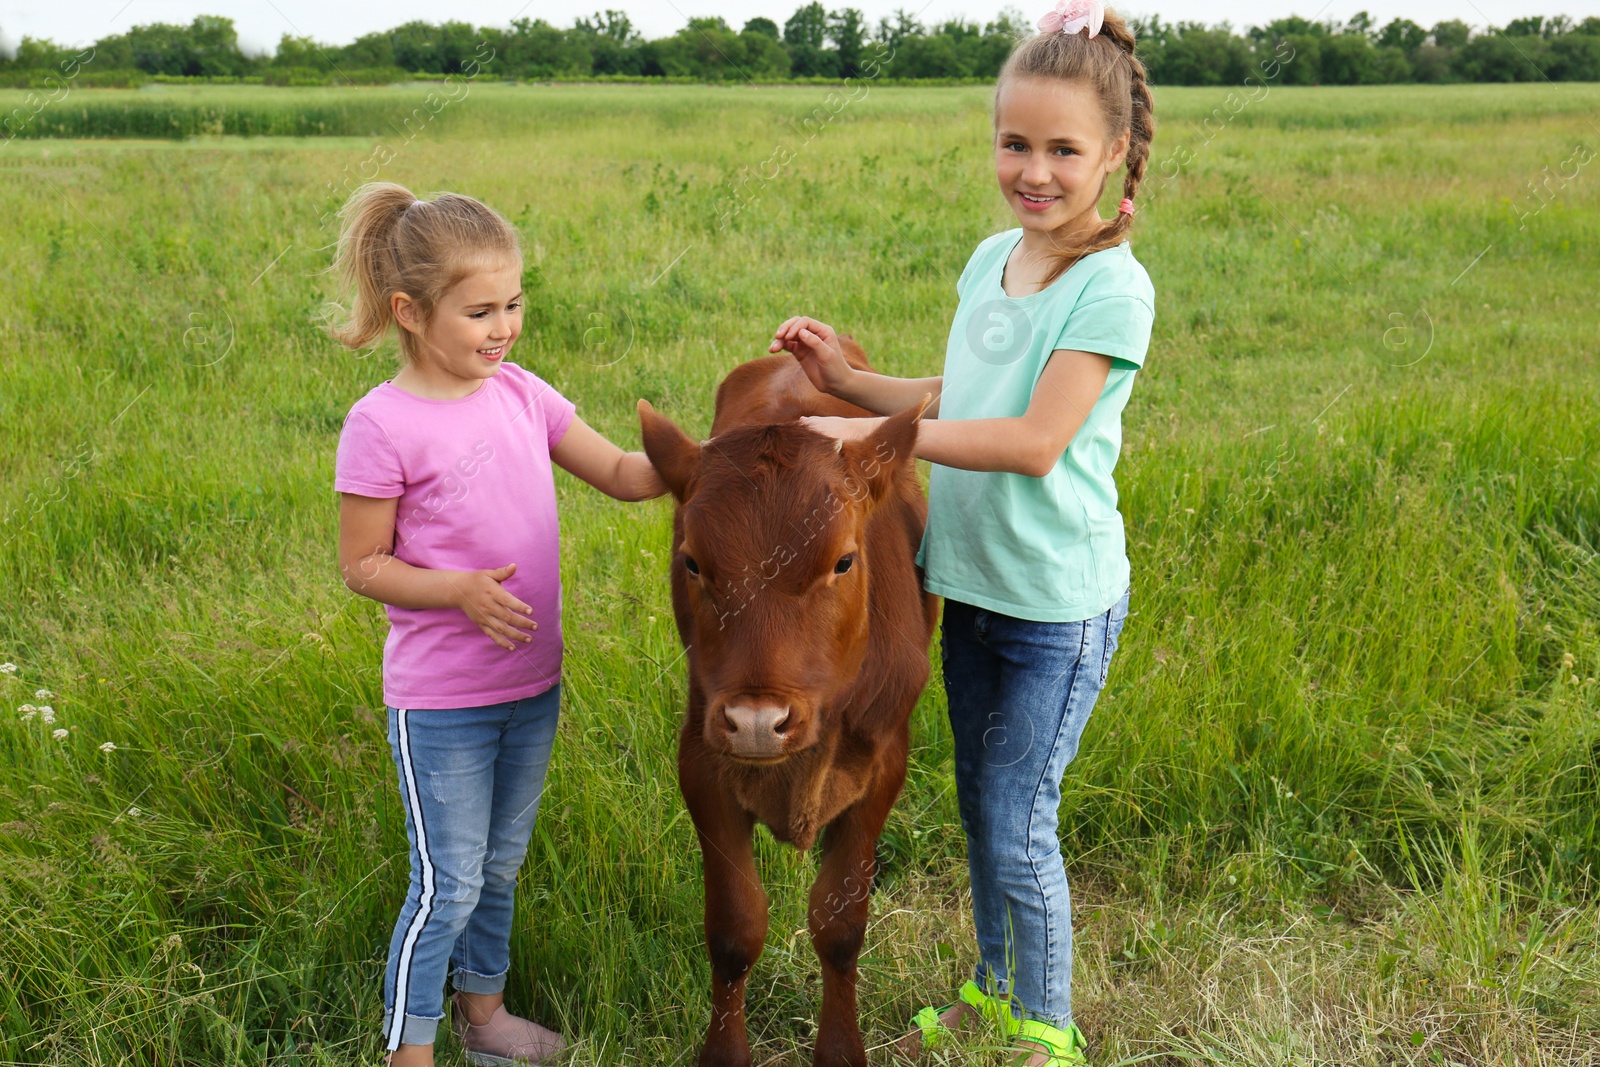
(1066, 1048)
(995, 1010)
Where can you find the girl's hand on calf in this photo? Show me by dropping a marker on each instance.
(643, 481)
(842, 429)
(817, 348)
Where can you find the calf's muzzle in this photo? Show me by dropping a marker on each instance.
(755, 729)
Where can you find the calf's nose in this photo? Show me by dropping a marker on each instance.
(756, 731)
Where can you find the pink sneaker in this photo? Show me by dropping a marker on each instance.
(506, 1040)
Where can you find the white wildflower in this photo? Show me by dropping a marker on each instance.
(29, 712)
(25, 708)
(42, 694)
(108, 746)
(134, 813)
(8, 668)
(59, 735)
(47, 713)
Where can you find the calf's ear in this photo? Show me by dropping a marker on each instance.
(674, 456)
(873, 463)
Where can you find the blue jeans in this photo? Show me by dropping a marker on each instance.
(1020, 693)
(470, 780)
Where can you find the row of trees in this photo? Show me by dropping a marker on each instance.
(1360, 53)
(815, 42)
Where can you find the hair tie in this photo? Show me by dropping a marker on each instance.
(1126, 207)
(1070, 16)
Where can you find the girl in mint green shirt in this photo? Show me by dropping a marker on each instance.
(1024, 540)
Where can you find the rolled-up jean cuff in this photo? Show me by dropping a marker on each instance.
(992, 984)
(473, 982)
(417, 1030)
(1000, 987)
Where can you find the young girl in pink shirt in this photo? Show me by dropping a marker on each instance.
(448, 516)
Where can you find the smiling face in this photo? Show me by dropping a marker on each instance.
(1052, 155)
(471, 329)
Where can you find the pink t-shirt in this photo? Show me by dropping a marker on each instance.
(476, 492)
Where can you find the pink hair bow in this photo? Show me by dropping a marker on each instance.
(1070, 16)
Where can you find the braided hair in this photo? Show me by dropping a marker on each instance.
(1106, 63)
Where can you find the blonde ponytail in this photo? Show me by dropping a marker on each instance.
(391, 242)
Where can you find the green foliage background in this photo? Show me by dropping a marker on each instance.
(1353, 718)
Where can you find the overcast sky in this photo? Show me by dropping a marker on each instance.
(262, 22)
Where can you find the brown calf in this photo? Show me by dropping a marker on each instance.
(807, 634)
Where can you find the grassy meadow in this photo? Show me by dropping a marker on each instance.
(1339, 805)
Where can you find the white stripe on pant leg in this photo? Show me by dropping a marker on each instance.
(402, 973)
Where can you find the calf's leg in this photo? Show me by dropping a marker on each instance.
(736, 917)
(838, 916)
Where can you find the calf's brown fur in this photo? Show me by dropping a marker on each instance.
(807, 633)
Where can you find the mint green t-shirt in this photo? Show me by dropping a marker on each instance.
(1048, 549)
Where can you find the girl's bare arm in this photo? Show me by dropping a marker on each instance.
(369, 567)
(817, 348)
(583, 452)
(1030, 443)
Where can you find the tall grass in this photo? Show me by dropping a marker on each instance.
(180, 112)
(1337, 806)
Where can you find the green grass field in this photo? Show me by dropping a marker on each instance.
(1338, 805)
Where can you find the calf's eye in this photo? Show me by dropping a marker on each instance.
(843, 564)
(691, 566)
